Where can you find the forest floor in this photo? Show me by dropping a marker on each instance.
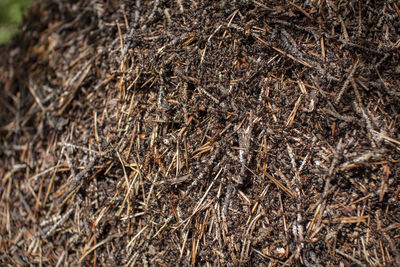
(202, 133)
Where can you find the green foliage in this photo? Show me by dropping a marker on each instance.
(11, 15)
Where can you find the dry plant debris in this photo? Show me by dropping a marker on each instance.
(202, 133)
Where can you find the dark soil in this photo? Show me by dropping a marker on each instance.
(202, 133)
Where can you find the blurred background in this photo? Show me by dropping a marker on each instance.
(11, 15)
